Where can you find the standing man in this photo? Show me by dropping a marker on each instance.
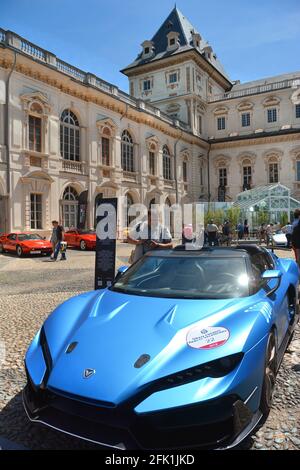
(53, 238)
(288, 230)
(227, 232)
(269, 233)
(60, 237)
(212, 233)
(149, 235)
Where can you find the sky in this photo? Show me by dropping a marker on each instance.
(253, 40)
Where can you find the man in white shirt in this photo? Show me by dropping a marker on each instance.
(149, 235)
(212, 232)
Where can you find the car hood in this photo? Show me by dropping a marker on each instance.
(36, 243)
(113, 330)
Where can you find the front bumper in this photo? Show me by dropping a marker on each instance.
(218, 423)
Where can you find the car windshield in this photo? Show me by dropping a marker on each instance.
(29, 236)
(192, 277)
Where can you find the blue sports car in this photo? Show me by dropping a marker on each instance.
(181, 351)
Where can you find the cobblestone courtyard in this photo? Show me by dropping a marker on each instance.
(29, 290)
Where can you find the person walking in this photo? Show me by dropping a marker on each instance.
(60, 244)
(53, 239)
(240, 231)
(212, 233)
(149, 235)
(269, 233)
(246, 230)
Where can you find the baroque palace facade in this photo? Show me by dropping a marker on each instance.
(185, 133)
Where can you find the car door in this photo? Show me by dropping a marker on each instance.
(70, 237)
(261, 263)
(11, 242)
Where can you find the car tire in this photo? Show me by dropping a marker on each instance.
(82, 245)
(269, 375)
(19, 251)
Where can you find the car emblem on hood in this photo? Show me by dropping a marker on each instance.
(87, 373)
(141, 361)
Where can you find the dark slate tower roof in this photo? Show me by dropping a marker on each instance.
(176, 22)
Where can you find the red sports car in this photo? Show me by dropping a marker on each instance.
(25, 244)
(83, 239)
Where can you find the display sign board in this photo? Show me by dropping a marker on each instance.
(82, 208)
(106, 234)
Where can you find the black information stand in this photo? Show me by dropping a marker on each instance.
(105, 263)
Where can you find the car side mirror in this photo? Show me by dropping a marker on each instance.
(44, 238)
(272, 274)
(121, 271)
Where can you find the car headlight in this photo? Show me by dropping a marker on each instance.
(214, 369)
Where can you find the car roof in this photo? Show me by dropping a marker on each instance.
(240, 251)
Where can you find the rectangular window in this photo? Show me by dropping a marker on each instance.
(184, 171)
(201, 176)
(173, 77)
(147, 85)
(199, 124)
(105, 151)
(147, 50)
(247, 174)
(152, 163)
(298, 171)
(272, 115)
(222, 177)
(298, 111)
(273, 173)
(221, 123)
(36, 211)
(245, 119)
(35, 134)
(172, 42)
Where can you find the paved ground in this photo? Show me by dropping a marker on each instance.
(29, 290)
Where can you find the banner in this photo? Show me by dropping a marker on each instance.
(82, 208)
(106, 234)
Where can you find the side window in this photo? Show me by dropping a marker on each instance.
(12, 236)
(260, 263)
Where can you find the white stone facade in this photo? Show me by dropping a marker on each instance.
(37, 90)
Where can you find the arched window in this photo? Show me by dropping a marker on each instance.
(69, 207)
(127, 152)
(69, 136)
(166, 163)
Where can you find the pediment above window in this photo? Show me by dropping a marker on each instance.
(271, 101)
(185, 154)
(152, 143)
(106, 127)
(35, 102)
(245, 106)
(221, 110)
(221, 161)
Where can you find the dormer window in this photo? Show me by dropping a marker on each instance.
(148, 49)
(196, 38)
(173, 40)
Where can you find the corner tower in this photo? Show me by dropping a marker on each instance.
(178, 71)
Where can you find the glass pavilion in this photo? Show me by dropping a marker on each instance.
(272, 199)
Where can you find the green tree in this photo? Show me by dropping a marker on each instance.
(262, 217)
(233, 215)
(284, 218)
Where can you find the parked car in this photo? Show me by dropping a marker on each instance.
(25, 244)
(279, 238)
(83, 239)
(181, 351)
